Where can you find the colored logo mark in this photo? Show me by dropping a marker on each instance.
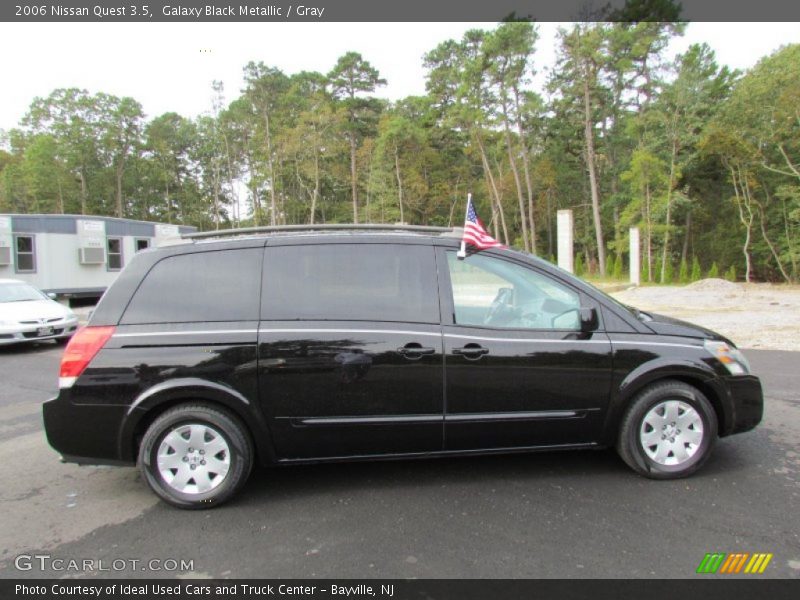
(737, 562)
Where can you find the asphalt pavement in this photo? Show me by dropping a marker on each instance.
(565, 515)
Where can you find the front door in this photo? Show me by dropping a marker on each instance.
(350, 350)
(519, 372)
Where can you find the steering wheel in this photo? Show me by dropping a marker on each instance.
(500, 310)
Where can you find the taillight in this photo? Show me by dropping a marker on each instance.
(80, 351)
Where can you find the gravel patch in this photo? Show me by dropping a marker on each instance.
(755, 315)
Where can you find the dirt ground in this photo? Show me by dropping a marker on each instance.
(757, 315)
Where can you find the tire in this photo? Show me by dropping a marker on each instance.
(195, 456)
(668, 431)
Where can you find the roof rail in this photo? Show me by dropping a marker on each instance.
(320, 227)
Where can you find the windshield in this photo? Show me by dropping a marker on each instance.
(19, 292)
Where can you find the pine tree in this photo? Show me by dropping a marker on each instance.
(713, 271)
(669, 273)
(618, 267)
(697, 273)
(579, 268)
(683, 273)
(730, 274)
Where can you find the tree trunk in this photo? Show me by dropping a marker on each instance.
(768, 241)
(669, 212)
(526, 170)
(60, 197)
(254, 192)
(353, 177)
(518, 184)
(686, 236)
(82, 177)
(235, 199)
(215, 173)
(495, 195)
(649, 233)
(742, 202)
(315, 195)
(399, 184)
(120, 171)
(550, 251)
(590, 161)
(273, 206)
(167, 202)
(789, 238)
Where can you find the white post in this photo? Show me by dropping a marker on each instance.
(565, 240)
(634, 254)
(462, 252)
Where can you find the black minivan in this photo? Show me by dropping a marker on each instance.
(328, 343)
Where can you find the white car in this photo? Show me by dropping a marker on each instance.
(27, 315)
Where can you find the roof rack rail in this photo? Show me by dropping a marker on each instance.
(320, 227)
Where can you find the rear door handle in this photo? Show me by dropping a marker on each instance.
(414, 350)
(471, 351)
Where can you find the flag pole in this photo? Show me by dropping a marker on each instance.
(462, 253)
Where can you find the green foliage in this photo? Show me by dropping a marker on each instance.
(669, 272)
(578, 266)
(657, 271)
(713, 272)
(685, 149)
(618, 267)
(730, 274)
(683, 272)
(697, 273)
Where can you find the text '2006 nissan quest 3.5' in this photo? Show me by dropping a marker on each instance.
(293, 346)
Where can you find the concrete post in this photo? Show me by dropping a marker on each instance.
(565, 240)
(634, 255)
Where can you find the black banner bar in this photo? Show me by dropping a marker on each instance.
(391, 10)
(732, 588)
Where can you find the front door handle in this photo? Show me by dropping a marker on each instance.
(471, 351)
(414, 350)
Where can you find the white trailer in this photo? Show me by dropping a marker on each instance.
(75, 256)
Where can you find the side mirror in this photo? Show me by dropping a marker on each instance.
(52, 295)
(589, 319)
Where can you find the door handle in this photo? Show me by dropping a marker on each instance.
(471, 351)
(414, 350)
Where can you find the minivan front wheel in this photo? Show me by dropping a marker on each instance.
(195, 456)
(668, 431)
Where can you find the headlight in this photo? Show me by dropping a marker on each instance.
(729, 356)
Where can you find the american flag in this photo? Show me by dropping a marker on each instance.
(474, 232)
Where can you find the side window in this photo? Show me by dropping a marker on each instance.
(206, 286)
(141, 244)
(114, 247)
(489, 292)
(350, 282)
(25, 253)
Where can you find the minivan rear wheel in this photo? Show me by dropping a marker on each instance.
(668, 431)
(195, 456)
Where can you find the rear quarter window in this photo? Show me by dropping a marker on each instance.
(206, 286)
(350, 282)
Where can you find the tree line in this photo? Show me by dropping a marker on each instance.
(704, 159)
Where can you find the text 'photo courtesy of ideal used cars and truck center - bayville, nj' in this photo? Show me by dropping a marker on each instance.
(300, 297)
